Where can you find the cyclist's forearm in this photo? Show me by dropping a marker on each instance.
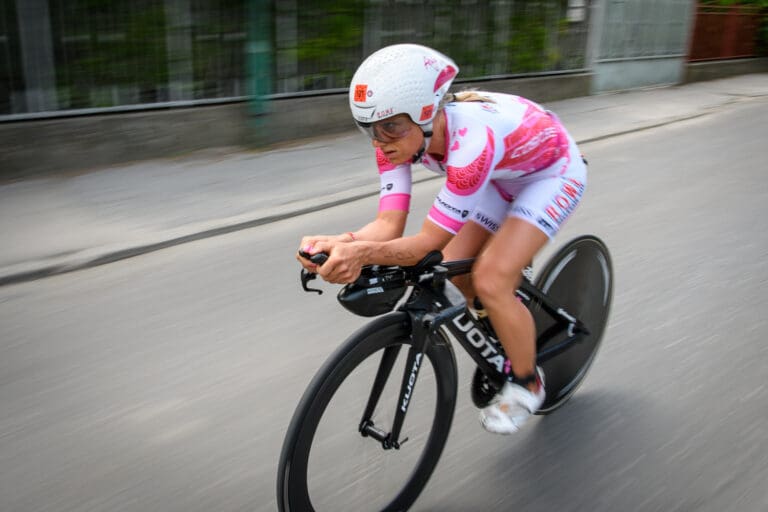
(407, 250)
(401, 251)
(386, 226)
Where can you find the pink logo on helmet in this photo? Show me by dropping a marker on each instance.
(445, 75)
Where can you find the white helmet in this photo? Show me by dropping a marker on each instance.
(401, 79)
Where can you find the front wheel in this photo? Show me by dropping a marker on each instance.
(327, 464)
(579, 278)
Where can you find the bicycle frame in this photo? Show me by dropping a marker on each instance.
(432, 322)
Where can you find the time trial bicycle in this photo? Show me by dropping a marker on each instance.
(356, 403)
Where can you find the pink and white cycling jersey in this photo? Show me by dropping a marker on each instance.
(495, 152)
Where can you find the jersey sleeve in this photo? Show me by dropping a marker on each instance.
(468, 168)
(395, 191)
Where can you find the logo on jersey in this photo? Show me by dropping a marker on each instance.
(489, 108)
(565, 201)
(462, 213)
(523, 212)
(486, 221)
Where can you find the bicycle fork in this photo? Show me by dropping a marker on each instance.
(416, 354)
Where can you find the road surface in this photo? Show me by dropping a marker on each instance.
(165, 382)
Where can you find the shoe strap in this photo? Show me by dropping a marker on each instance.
(524, 381)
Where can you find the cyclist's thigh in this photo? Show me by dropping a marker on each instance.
(485, 220)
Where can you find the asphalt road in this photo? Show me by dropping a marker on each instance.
(165, 382)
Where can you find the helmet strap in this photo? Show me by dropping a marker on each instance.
(427, 137)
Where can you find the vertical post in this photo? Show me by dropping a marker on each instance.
(37, 61)
(259, 63)
(502, 16)
(178, 39)
(594, 38)
(286, 22)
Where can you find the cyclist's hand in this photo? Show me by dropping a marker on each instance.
(344, 263)
(308, 244)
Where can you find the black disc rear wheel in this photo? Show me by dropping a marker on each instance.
(326, 464)
(579, 278)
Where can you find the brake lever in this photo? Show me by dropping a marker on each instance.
(306, 275)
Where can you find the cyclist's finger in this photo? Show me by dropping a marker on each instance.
(306, 263)
(321, 246)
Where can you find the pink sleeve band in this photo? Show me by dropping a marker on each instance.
(400, 202)
(444, 221)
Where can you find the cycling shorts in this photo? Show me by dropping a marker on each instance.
(544, 199)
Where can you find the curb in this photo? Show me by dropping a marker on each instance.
(30, 271)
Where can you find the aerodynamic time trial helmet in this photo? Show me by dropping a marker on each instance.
(400, 79)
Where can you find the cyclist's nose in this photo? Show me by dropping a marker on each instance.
(377, 143)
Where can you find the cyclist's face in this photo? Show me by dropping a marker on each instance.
(398, 137)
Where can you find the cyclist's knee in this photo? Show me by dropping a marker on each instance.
(493, 280)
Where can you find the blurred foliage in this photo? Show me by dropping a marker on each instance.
(106, 43)
(105, 49)
(334, 36)
(326, 31)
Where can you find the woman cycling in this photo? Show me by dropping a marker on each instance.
(513, 175)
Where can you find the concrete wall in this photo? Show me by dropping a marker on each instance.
(623, 75)
(712, 70)
(39, 147)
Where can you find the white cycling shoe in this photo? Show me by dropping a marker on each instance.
(512, 407)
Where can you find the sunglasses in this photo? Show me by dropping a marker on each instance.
(387, 130)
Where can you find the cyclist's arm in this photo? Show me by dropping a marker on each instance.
(388, 225)
(408, 250)
(346, 260)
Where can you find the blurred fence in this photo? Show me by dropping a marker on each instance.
(63, 57)
(96, 54)
(319, 44)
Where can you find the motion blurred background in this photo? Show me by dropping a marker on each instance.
(158, 163)
(99, 82)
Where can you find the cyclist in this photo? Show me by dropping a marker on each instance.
(513, 176)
